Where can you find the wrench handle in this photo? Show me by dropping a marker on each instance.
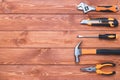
(107, 8)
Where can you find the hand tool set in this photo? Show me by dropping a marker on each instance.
(108, 22)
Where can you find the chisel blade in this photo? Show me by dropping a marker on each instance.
(84, 22)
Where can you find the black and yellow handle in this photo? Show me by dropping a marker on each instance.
(99, 66)
(108, 36)
(108, 22)
(107, 8)
(100, 51)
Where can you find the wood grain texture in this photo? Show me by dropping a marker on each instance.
(55, 39)
(51, 6)
(37, 40)
(50, 56)
(1, 7)
(31, 72)
(50, 22)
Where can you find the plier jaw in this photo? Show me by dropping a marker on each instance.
(88, 69)
(98, 67)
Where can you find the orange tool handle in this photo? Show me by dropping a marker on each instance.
(99, 66)
(107, 8)
(105, 73)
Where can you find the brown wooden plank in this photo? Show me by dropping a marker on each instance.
(54, 39)
(1, 7)
(43, 49)
(51, 6)
(50, 22)
(37, 72)
(50, 56)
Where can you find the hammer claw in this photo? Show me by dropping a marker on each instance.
(77, 52)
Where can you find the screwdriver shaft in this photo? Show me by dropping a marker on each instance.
(79, 36)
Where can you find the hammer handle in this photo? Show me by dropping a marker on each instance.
(101, 51)
(108, 52)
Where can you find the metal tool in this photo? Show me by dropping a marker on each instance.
(79, 51)
(98, 67)
(108, 22)
(101, 36)
(86, 8)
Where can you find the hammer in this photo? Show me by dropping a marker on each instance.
(79, 51)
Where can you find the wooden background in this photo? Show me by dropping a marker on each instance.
(37, 40)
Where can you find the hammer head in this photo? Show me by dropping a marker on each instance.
(77, 52)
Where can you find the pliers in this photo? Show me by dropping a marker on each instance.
(98, 67)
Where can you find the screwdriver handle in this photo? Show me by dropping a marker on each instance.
(108, 22)
(107, 36)
(108, 52)
(107, 8)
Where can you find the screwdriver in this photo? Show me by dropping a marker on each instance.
(108, 22)
(101, 36)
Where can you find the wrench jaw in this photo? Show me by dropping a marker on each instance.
(80, 7)
(86, 8)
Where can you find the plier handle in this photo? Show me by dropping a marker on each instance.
(98, 67)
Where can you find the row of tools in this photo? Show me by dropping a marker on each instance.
(107, 22)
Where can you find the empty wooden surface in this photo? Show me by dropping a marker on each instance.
(37, 40)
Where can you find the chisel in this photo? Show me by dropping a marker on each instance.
(108, 22)
(101, 36)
